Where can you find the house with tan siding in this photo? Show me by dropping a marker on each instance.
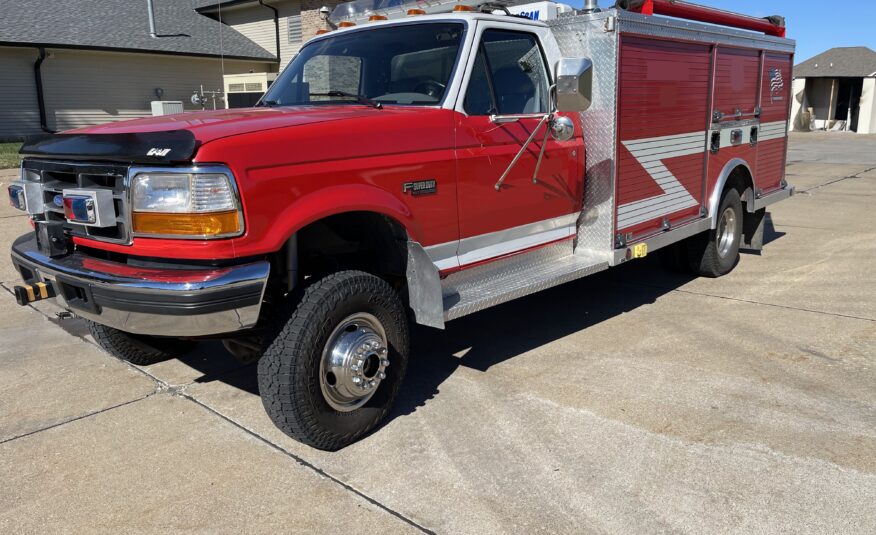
(71, 63)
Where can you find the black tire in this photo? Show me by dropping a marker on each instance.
(138, 349)
(708, 254)
(289, 372)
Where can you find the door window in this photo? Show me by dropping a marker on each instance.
(508, 76)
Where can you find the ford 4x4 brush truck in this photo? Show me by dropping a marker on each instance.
(423, 161)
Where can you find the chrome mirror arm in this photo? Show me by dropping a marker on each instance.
(545, 118)
(547, 131)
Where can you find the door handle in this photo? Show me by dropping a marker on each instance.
(715, 144)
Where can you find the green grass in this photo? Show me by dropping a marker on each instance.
(9, 155)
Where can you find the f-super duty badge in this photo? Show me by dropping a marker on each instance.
(420, 187)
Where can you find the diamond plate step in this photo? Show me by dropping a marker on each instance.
(500, 281)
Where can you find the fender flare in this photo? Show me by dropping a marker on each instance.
(424, 285)
(715, 198)
(337, 200)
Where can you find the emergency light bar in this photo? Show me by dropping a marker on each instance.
(365, 10)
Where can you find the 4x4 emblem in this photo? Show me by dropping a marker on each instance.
(158, 152)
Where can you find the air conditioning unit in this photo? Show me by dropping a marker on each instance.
(244, 90)
(166, 107)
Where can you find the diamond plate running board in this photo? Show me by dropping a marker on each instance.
(497, 282)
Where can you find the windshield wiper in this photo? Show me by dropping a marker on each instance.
(361, 99)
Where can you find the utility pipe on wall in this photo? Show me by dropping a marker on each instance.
(151, 10)
(41, 101)
(276, 25)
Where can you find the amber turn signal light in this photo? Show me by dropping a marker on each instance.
(212, 224)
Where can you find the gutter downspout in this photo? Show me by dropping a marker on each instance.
(276, 25)
(41, 101)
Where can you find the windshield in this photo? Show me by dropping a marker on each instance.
(406, 64)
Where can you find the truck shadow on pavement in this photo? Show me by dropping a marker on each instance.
(490, 337)
(485, 339)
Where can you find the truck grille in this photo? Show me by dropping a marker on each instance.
(57, 176)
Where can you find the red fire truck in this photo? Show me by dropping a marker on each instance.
(423, 161)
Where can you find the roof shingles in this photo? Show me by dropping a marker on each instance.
(840, 62)
(122, 25)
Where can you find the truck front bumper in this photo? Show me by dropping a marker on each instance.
(153, 301)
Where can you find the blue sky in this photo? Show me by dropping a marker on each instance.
(816, 25)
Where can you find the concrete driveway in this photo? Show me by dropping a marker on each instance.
(632, 401)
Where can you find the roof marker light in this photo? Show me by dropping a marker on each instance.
(360, 10)
(463, 8)
(373, 18)
(322, 31)
(346, 24)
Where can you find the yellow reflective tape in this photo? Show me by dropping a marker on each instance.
(44, 293)
(30, 295)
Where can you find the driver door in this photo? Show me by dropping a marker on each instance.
(507, 76)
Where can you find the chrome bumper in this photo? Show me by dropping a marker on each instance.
(154, 301)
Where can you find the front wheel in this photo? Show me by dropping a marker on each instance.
(137, 348)
(334, 367)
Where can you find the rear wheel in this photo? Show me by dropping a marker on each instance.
(716, 252)
(137, 348)
(333, 369)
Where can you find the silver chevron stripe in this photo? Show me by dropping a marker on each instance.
(650, 153)
(774, 130)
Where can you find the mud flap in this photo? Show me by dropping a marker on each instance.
(752, 232)
(424, 288)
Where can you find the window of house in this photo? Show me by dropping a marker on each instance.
(508, 76)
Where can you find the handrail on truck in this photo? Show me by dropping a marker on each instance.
(773, 25)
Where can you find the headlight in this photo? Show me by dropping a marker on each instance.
(186, 204)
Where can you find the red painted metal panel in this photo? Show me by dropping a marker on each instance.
(294, 171)
(717, 162)
(484, 150)
(737, 79)
(776, 91)
(775, 103)
(663, 106)
(736, 82)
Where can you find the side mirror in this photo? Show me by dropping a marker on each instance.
(574, 84)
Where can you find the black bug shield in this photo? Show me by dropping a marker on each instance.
(171, 146)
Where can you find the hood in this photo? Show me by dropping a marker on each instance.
(209, 125)
(176, 138)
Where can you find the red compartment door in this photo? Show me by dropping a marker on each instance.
(737, 78)
(663, 121)
(775, 96)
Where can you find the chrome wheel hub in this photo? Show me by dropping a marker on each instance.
(354, 362)
(726, 232)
